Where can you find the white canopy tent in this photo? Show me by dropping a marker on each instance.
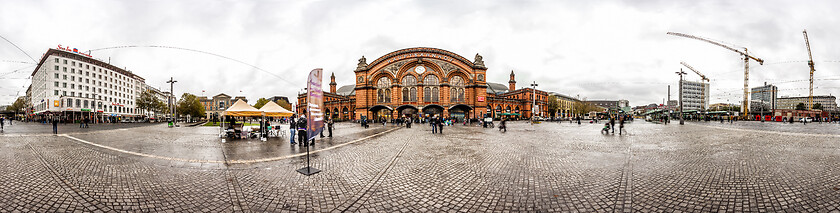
(242, 109)
(239, 109)
(271, 109)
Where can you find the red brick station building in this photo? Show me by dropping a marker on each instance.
(423, 82)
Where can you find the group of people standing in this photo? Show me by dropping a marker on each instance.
(299, 124)
(437, 124)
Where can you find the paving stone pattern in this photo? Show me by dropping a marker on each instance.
(550, 167)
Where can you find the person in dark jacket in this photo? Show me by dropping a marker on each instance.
(330, 126)
(292, 129)
(503, 124)
(55, 125)
(620, 125)
(433, 122)
(612, 124)
(301, 126)
(440, 124)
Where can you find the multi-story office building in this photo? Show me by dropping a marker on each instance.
(74, 86)
(763, 96)
(828, 102)
(609, 104)
(695, 95)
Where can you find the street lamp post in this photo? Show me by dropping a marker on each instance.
(534, 99)
(681, 73)
(171, 96)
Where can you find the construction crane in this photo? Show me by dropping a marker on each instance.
(745, 106)
(811, 64)
(703, 88)
(695, 71)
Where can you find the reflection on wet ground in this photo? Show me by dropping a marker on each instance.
(204, 143)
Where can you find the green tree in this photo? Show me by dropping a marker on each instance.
(18, 106)
(552, 105)
(817, 106)
(189, 105)
(261, 102)
(161, 107)
(800, 106)
(285, 104)
(146, 101)
(583, 107)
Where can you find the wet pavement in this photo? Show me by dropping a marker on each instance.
(549, 167)
(33, 128)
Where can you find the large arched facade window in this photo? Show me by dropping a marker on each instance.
(409, 91)
(383, 90)
(431, 92)
(456, 90)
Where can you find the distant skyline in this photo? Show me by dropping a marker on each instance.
(604, 50)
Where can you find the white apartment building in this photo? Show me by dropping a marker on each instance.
(74, 85)
(695, 95)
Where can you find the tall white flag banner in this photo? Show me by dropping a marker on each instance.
(315, 104)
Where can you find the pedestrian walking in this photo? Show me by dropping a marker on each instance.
(292, 129)
(620, 125)
(55, 125)
(612, 124)
(86, 122)
(330, 127)
(503, 124)
(2, 122)
(364, 123)
(433, 122)
(440, 126)
(578, 120)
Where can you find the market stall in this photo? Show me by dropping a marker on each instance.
(238, 109)
(271, 109)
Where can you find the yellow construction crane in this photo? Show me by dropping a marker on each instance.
(695, 71)
(811, 64)
(703, 89)
(745, 106)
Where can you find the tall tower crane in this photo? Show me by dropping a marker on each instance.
(703, 89)
(745, 106)
(695, 71)
(811, 64)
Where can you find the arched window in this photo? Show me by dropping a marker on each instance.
(427, 94)
(431, 93)
(456, 93)
(409, 84)
(383, 91)
(412, 93)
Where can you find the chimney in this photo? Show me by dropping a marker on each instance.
(332, 83)
(512, 82)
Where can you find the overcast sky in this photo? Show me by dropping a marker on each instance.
(595, 49)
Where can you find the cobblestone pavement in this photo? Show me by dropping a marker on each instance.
(550, 167)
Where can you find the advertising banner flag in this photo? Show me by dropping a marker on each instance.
(314, 104)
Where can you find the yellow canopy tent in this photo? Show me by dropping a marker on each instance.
(242, 109)
(271, 109)
(238, 109)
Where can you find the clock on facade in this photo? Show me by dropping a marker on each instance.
(419, 69)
